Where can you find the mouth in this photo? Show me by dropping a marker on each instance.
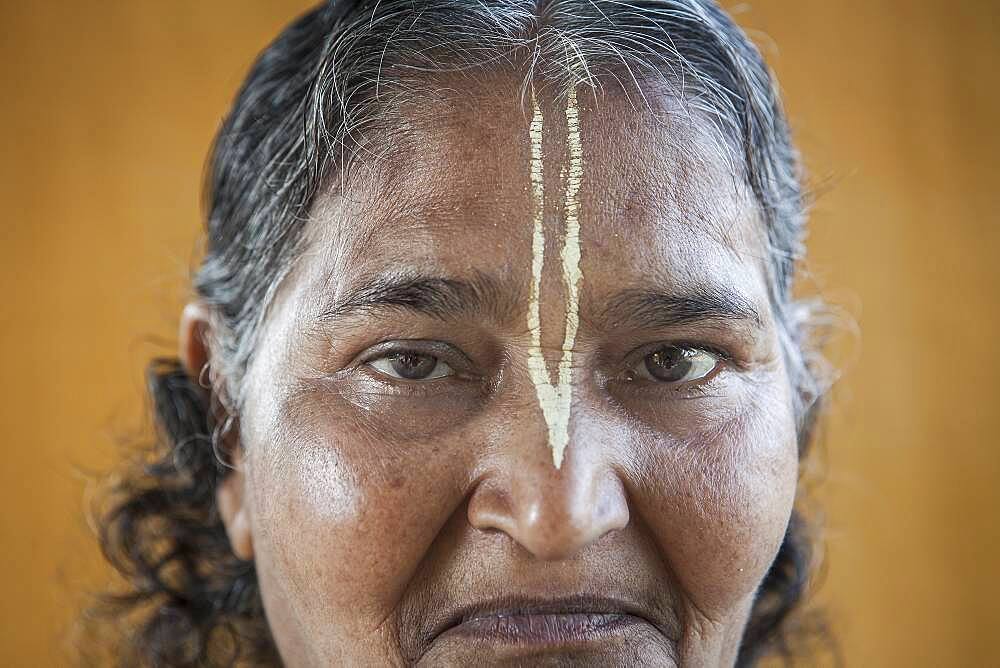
(542, 622)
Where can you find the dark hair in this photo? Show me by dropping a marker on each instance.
(302, 114)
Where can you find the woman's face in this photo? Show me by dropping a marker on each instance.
(415, 384)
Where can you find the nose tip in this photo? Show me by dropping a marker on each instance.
(552, 514)
(556, 531)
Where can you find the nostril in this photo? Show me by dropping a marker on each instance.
(490, 509)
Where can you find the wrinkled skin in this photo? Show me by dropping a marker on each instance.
(377, 509)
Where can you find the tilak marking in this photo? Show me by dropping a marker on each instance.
(555, 400)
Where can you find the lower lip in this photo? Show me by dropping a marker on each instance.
(550, 629)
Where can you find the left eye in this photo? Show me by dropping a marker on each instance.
(675, 364)
(411, 366)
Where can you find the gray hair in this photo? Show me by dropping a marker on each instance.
(311, 98)
(302, 114)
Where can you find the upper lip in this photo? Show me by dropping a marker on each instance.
(540, 606)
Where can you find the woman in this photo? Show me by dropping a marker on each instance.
(493, 356)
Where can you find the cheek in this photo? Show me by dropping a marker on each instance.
(719, 501)
(327, 494)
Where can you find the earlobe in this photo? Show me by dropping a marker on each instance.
(230, 497)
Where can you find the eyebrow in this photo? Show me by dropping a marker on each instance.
(692, 304)
(482, 295)
(438, 297)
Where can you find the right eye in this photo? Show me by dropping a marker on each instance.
(675, 364)
(411, 365)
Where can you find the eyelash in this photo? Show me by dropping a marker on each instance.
(440, 351)
(390, 356)
(721, 358)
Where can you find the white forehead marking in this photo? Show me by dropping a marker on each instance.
(555, 400)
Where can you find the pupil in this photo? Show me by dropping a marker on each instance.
(668, 364)
(413, 366)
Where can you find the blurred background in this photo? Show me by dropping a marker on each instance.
(108, 114)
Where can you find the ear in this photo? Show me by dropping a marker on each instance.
(193, 339)
(231, 499)
(195, 356)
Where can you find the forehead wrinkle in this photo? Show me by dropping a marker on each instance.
(357, 222)
(410, 196)
(418, 243)
(428, 225)
(673, 223)
(680, 186)
(435, 183)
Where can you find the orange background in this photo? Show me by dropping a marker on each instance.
(107, 115)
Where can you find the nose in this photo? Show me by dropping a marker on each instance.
(552, 513)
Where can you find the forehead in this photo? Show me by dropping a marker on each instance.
(445, 189)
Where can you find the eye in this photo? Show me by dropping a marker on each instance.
(675, 364)
(410, 365)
